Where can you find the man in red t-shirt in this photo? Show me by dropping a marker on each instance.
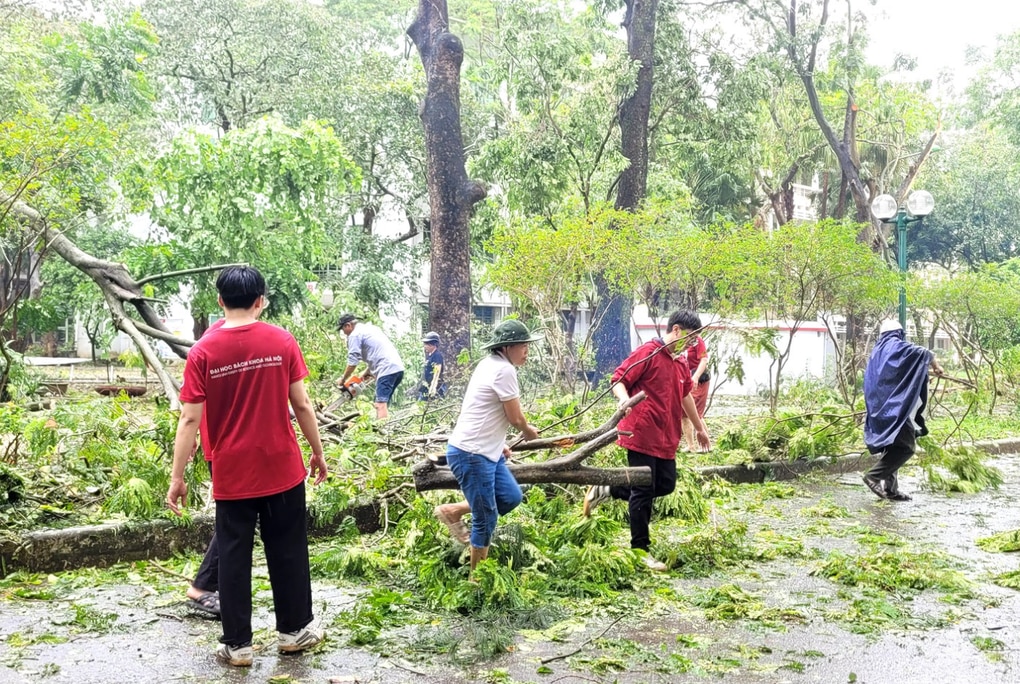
(653, 426)
(240, 381)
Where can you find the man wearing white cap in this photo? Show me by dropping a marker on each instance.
(895, 394)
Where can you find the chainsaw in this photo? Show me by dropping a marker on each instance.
(350, 389)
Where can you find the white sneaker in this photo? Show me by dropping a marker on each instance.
(596, 495)
(238, 656)
(301, 640)
(652, 564)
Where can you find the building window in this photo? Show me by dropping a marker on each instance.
(484, 314)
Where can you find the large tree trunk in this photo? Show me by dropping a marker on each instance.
(612, 336)
(451, 193)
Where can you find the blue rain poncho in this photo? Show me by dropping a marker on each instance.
(895, 389)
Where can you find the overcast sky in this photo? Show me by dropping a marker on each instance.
(938, 33)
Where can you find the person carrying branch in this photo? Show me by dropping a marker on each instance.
(431, 385)
(895, 394)
(651, 431)
(476, 450)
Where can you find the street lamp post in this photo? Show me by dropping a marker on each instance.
(885, 209)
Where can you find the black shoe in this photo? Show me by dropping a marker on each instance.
(898, 496)
(877, 486)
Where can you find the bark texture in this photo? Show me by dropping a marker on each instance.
(451, 193)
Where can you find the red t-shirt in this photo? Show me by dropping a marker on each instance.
(243, 376)
(654, 424)
(695, 354)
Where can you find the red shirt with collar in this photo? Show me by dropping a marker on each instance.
(654, 424)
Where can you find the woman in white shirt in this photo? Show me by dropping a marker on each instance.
(477, 450)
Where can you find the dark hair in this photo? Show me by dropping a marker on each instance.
(687, 320)
(240, 286)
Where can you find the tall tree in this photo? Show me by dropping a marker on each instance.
(230, 62)
(804, 33)
(452, 195)
(612, 336)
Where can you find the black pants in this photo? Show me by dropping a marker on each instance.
(892, 458)
(640, 499)
(208, 577)
(281, 519)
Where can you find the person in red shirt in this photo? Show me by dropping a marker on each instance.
(697, 361)
(651, 431)
(241, 380)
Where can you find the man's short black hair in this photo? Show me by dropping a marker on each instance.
(687, 320)
(240, 286)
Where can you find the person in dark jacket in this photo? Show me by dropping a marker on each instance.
(432, 385)
(895, 395)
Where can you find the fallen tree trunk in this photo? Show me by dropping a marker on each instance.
(566, 469)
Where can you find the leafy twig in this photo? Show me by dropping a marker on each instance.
(546, 661)
(170, 572)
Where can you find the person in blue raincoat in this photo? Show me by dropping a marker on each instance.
(895, 395)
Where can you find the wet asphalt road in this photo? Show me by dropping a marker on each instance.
(152, 638)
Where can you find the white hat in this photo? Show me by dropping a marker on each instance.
(888, 325)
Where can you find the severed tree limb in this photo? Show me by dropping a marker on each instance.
(565, 469)
(124, 323)
(118, 287)
(188, 271)
(581, 437)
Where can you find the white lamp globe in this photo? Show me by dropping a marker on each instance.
(884, 207)
(920, 203)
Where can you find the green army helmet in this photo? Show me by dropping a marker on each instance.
(510, 331)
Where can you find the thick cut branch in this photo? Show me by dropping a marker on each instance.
(565, 469)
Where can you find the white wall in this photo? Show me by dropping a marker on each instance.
(808, 356)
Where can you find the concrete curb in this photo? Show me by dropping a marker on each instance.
(102, 545)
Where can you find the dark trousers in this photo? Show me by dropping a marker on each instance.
(281, 519)
(639, 499)
(208, 577)
(892, 458)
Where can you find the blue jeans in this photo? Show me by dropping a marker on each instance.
(488, 486)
